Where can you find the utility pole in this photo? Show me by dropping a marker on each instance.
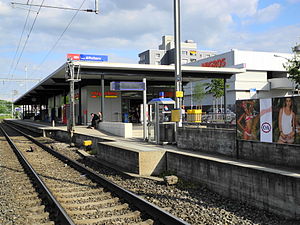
(25, 78)
(13, 93)
(178, 74)
(70, 71)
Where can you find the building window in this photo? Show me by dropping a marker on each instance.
(193, 60)
(157, 55)
(184, 61)
(142, 57)
(184, 52)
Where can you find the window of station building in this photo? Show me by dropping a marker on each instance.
(193, 60)
(184, 52)
(184, 61)
(157, 55)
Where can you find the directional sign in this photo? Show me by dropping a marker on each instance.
(127, 86)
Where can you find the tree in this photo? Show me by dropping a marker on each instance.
(5, 107)
(198, 92)
(292, 67)
(215, 87)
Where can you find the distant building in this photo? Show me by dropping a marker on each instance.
(265, 76)
(164, 55)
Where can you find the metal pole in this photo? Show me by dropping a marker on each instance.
(71, 120)
(79, 105)
(145, 136)
(25, 79)
(191, 95)
(225, 102)
(96, 6)
(102, 96)
(178, 74)
(12, 104)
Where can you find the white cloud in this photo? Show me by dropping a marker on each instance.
(135, 26)
(275, 40)
(265, 15)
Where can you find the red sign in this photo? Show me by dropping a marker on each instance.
(215, 63)
(96, 94)
(73, 56)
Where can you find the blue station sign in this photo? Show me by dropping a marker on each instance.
(85, 57)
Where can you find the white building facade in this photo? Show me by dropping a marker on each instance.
(265, 76)
(164, 55)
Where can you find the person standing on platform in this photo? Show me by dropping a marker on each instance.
(183, 113)
(100, 118)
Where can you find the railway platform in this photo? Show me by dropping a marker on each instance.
(274, 189)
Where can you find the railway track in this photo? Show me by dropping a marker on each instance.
(77, 195)
(17, 193)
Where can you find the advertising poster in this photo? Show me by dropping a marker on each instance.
(266, 134)
(248, 126)
(286, 120)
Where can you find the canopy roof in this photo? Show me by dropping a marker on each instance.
(91, 72)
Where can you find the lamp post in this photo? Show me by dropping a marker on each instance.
(178, 74)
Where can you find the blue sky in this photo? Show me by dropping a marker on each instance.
(124, 28)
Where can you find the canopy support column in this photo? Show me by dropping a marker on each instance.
(145, 136)
(102, 97)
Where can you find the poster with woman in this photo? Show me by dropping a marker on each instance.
(248, 119)
(286, 120)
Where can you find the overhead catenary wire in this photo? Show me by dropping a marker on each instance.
(61, 35)
(56, 7)
(21, 37)
(32, 26)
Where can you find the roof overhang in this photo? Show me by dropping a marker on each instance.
(91, 72)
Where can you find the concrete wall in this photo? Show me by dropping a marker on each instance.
(267, 190)
(270, 153)
(131, 159)
(117, 128)
(209, 140)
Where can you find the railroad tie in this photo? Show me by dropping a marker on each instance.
(102, 220)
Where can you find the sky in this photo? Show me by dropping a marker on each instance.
(34, 41)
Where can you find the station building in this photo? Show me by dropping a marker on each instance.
(265, 76)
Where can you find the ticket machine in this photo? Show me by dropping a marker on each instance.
(161, 129)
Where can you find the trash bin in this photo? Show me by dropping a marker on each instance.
(175, 116)
(194, 115)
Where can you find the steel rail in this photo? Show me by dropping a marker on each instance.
(146, 207)
(61, 215)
